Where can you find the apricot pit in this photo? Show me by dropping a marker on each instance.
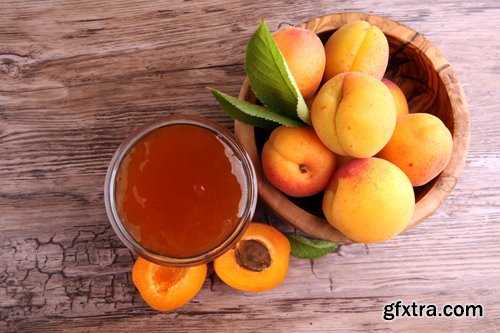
(253, 255)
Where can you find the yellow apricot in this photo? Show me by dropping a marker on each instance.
(357, 46)
(354, 114)
(369, 200)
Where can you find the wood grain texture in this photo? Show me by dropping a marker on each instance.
(76, 77)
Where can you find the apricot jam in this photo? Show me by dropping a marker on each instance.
(182, 190)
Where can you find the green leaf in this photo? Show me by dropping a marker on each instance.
(251, 114)
(270, 77)
(307, 248)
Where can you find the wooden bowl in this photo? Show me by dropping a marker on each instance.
(430, 85)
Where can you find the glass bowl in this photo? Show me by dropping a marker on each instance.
(244, 215)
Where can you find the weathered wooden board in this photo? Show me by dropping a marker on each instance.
(77, 77)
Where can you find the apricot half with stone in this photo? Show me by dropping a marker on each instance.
(167, 288)
(259, 261)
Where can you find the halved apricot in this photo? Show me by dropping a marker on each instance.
(167, 288)
(259, 261)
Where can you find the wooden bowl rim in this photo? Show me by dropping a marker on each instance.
(318, 227)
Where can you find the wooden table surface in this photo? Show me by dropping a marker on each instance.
(76, 77)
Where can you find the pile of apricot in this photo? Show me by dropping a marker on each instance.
(365, 149)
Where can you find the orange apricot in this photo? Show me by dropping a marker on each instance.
(296, 161)
(305, 56)
(167, 288)
(421, 146)
(259, 261)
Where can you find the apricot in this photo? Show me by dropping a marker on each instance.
(399, 97)
(305, 56)
(421, 146)
(296, 161)
(354, 114)
(259, 262)
(167, 288)
(369, 200)
(357, 46)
